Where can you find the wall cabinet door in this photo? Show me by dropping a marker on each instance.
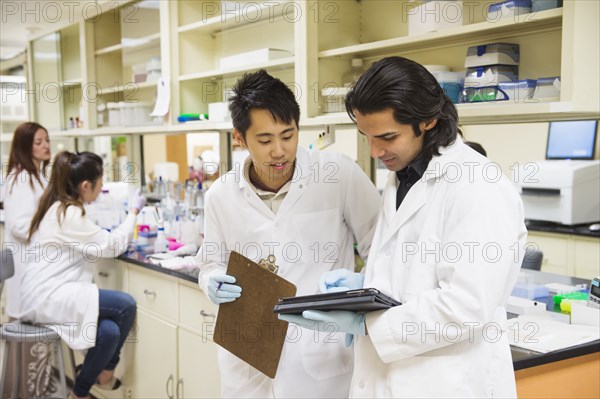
(198, 370)
(555, 248)
(587, 257)
(153, 358)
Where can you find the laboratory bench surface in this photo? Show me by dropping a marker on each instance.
(522, 359)
(549, 227)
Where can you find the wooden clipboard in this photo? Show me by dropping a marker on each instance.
(247, 327)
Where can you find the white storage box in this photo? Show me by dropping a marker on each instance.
(492, 54)
(333, 99)
(547, 89)
(114, 114)
(518, 91)
(509, 8)
(219, 112)
(434, 15)
(491, 75)
(253, 57)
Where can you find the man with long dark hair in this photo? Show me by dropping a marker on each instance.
(448, 245)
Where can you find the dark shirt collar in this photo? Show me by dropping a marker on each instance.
(415, 169)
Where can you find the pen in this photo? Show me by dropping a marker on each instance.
(219, 286)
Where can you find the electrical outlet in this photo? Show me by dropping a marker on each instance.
(326, 138)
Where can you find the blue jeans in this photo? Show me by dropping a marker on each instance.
(115, 318)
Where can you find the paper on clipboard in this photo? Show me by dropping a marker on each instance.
(247, 327)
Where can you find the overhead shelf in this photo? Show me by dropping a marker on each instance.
(244, 14)
(127, 87)
(131, 44)
(486, 113)
(480, 32)
(281, 63)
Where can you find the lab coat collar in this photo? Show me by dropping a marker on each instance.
(438, 166)
(417, 196)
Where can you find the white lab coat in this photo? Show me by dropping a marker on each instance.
(448, 338)
(57, 287)
(20, 204)
(330, 203)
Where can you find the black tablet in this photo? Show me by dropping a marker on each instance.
(362, 300)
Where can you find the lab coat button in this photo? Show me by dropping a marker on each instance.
(361, 384)
(301, 186)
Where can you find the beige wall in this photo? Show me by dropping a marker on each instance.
(511, 143)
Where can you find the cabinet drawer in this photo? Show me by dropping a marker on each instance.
(196, 311)
(555, 249)
(154, 292)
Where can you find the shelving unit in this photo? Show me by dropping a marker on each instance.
(191, 37)
(375, 39)
(204, 32)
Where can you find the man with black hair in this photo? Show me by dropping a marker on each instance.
(448, 245)
(307, 208)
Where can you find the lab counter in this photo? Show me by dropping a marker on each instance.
(140, 260)
(522, 359)
(549, 227)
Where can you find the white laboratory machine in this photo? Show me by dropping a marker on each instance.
(565, 187)
(564, 192)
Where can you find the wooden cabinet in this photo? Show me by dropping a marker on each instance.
(123, 41)
(153, 364)
(375, 29)
(319, 38)
(570, 255)
(586, 257)
(171, 354)
(198, 369)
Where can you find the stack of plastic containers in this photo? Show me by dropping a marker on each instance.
(492, 74)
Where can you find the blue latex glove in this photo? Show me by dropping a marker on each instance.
(221, 289)
(137, 201)
(352, 323)
(341, 280)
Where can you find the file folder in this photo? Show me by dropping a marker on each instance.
(362, 300)
(247, 327)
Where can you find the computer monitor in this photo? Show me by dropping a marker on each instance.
(571, 139)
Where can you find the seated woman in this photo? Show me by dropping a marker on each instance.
(57, 288)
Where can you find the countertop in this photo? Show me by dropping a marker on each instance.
(549, 227)
(522, 358)
(140, 260)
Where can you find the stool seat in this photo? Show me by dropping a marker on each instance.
(17, 331)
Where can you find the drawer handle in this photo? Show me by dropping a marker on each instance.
(204, 314)
(179, 384)
(103, 274)
(170, 381)
(150, 293)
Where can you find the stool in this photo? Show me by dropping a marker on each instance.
(14, 334)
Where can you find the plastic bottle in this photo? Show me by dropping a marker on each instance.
(354, 73)
(101, 113)
(160, 243)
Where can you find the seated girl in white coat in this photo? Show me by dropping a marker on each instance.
(57, 288)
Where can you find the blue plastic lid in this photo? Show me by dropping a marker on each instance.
(529, 83)
(547, 81)
(510, 3)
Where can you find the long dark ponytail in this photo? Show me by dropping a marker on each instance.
(68, 172)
